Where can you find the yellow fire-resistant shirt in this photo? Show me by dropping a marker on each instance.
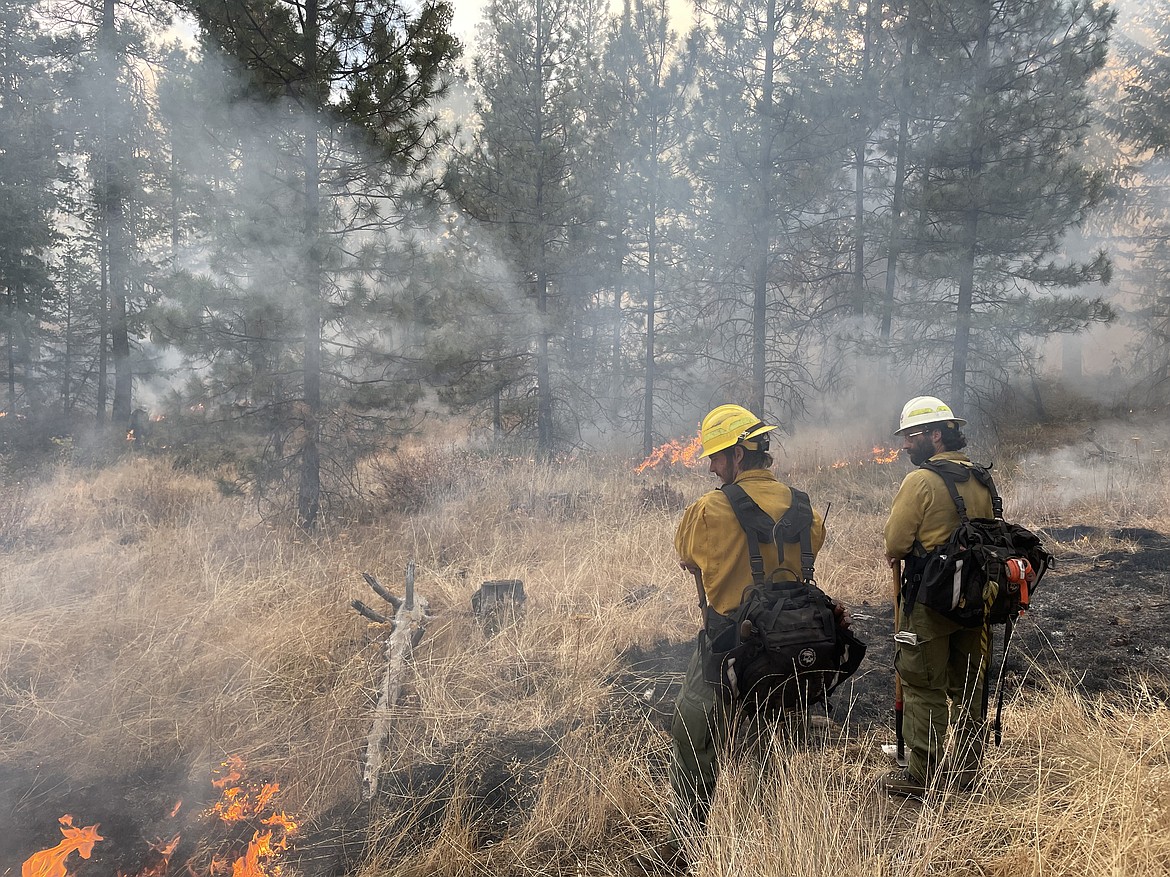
(710, 538)
(924, 510)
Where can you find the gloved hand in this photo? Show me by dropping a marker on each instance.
(841, 613)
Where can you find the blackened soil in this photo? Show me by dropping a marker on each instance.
(132, 811)
(1101, 621)
(496, 781)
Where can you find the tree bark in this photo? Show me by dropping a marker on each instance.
(309, 493)
(763, 242)
(116, 231)
(859, 160)
(651, 328)
(898, 196)
(966, 292)
(544, 417)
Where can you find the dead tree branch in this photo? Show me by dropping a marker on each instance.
(407, 629)
(363, 609)
(381, 591)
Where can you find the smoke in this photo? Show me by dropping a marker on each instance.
(1111, 471)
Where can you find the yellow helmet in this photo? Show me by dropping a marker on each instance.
(730, 425)
(924, 410)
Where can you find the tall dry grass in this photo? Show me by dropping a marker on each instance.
(1081, 788)
(144, 617)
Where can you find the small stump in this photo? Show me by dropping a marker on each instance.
(498, 603)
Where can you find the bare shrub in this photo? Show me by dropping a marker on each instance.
(661, 496)
(406, 482)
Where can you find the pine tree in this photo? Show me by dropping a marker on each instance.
(346, 92)
(769, 157)
(1139, 210)
(1000, 181)
(30, 138)
(524, 176)
(109, 111)
(649, 197)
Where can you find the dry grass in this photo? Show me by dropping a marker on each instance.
(1081, 788)
(145, 617)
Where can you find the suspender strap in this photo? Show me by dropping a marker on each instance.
(756, 524)
(795, 525)
(951, 473)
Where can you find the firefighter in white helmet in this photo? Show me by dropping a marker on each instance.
(941, 664)
(711, 545)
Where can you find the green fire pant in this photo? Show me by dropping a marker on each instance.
(943, 675)
(698, 736)
(707, 727)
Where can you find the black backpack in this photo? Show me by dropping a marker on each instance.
(781, 647)
(965, 579)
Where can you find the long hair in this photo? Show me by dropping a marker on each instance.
(760, 459)
(952, 437)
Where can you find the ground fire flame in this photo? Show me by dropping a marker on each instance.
(51, 862)
(239, 802)
(879, 456)
(671, 453)
(675, 452)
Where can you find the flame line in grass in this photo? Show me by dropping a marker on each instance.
(51, 862)
(238, 802)
(879, 456)
(673, 452)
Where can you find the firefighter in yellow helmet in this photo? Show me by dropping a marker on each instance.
(712, 545)
(941, 664)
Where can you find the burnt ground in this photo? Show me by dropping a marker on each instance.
(152, 804)
(1098, 622)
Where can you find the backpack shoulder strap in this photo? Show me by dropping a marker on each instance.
(795, 525)
(953, 473)
(983, 476)
(756, 523)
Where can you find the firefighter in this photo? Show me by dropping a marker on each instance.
(712, 546)
(942, 665)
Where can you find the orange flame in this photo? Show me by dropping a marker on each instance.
(254, 862)
(159, 861)
(879, 456)
(51, 862)
(233, 767)
(238, 803)
(673, 452)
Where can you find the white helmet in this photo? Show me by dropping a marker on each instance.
(924, 410)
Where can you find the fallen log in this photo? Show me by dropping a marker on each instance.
(406, 630)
